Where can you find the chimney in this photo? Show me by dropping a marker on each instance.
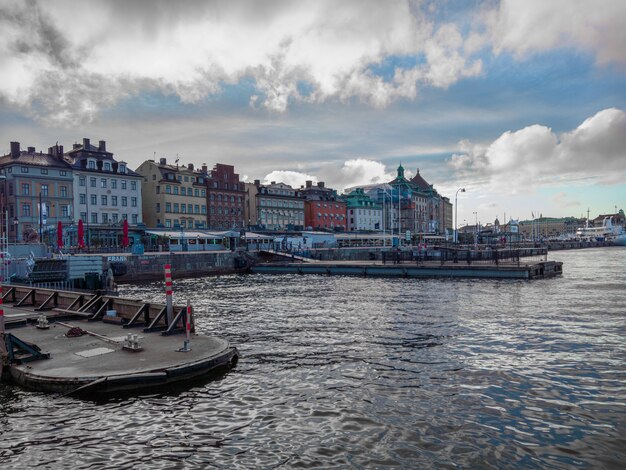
(309, 184)
(257, 182)
(204, 168)
(15, 149)
(320, 184)
(102, 146)
(190, 166)
(75, 146)
(163, 161)
(60, 151)
(273, 182)
(85, 143)
(31, 149)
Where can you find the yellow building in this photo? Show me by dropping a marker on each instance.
(173, 196)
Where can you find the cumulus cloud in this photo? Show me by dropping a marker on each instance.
(98, 52)
(535, 155)
(295, 179)
(527, 26)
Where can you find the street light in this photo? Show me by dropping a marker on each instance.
(476, 229)
(456, 233)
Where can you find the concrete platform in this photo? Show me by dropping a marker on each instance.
(100, 364)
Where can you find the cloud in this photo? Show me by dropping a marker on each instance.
(65, 61)
(535, 155)
(295, 179)
(527, 26)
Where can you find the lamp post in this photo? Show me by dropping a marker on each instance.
(16, 225)
(475, 229)
(456, 233)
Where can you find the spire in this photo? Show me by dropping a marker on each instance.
(400, 171)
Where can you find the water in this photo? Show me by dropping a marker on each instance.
(368, 373)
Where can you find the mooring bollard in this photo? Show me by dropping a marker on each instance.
(168, 294)
(187, 343)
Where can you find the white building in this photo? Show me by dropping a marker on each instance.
(362, 212)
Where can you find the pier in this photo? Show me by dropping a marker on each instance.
(71, 342)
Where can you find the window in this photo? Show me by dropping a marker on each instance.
(103, 198)
(113, 184)
(83, 216)
(94, 217)
(190, 208)
(44, 171)
(186, 179)
(92, 182)
(114, 200)
(26, 210)
(122, 169)
(168, 189)
(44, 189)
(168, 207)
(183, 192)
(103, 182)
(63, 191)
(65, 210)
(24, 169)
(203, 192)
(204, 209)
(196, 192)
(158, 207)
(124, 201)
(105, 218)
(92, 166)
(83, 199)
(175, 208)
(153, 177)
(114, 218)
(134, 219)
(183, 208)
(158, 189)
(123, 184)
(197, 208)
(133, 202)
(25, 189)
(176, 190)
(107, 166)
(168, 223)
(180, 178)
(133, 185)
(93, 199)
(63, 173)
(81, 181)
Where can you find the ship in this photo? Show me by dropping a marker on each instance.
(614, 234)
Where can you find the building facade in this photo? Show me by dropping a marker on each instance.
(37, 194)
(106, 193)
(279, 207)
(225, 198)
(173, 196)
(323, 210)
(362, 213)
(250, 213)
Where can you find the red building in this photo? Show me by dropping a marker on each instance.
(322, 209)
(225, 198)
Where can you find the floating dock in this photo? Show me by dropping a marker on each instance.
(74, 343)
(431, 269)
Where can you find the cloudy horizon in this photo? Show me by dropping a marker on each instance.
(519, 103)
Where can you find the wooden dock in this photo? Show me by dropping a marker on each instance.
(69, 342)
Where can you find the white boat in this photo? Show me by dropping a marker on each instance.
(608, 232)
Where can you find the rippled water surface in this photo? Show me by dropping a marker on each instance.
(344, 372)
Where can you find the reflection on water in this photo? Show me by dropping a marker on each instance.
(353, 372)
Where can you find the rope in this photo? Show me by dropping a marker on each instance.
(74, 332)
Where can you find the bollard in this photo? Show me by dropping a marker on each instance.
(3, 346)
(186, 345)
(168, 294)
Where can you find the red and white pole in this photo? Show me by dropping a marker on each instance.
(3, 346)
(168, 294)
(187, 346)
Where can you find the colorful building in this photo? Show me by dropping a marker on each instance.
(226, 198)
(174, 196)
(362, 213)
(323, 210)
(279, 207)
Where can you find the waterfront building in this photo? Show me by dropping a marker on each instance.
(250, 212)
(323, 210)
(225, 198)
(279, 207)
(544, 228)
(437, 215)
(107, 193)
(37, 193)
(362, 212)
(616, 219)
(174, 196)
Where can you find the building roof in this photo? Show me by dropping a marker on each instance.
(35, 159)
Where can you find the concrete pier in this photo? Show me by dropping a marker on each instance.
(431, 269)
(81, 348)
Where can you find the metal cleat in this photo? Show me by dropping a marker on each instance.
(42, 322)
(133, 343)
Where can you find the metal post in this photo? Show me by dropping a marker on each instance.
(3, 349)
(168, 294)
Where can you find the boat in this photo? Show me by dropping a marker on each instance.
(614, 234)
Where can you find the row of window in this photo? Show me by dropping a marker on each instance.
(280, 203)
(106, 183)
(226, 210)
(42, 171)
(182, 208)
(106, 218)
(226, 198)
(106, 166)
(27, 210)
(104, 200)
(195, 192)
(44, 189)
(169, 223)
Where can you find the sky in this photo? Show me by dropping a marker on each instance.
(521, 103)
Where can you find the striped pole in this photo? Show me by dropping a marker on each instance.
(168, 294)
